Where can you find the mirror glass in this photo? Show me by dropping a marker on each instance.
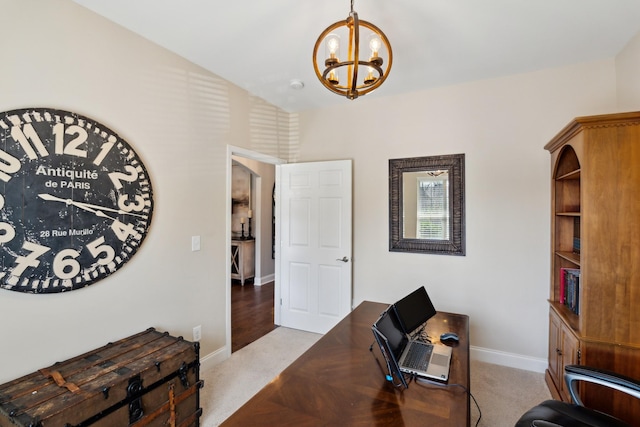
(426, 204)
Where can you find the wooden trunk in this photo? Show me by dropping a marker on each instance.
(148, 379)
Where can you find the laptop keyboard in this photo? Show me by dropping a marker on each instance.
(418, 356)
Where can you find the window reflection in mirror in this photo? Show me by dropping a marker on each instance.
(426, 205)
(425, 197)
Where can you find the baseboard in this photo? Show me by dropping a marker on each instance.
(212, 359)
(259, 281)
(511, 360)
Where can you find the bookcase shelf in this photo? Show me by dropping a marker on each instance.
(567, 315)
(572, 257)
(595, 274)
(574, 174)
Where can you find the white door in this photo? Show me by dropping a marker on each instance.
(313, 235)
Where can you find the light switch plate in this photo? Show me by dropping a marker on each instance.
(195, 243)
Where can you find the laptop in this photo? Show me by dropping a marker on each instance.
(407, 356)
(413, 311)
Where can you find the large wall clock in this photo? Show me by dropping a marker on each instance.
(75, 201)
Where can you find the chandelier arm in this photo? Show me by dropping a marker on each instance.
(337, 65)
(359, 89)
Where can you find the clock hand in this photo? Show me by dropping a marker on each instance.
(98, 210)
(76, 204)
(122, 230)
(51, 198)
(119, 211)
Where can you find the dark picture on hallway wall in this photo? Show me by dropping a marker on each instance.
(241, 212)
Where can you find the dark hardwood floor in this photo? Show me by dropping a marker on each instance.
(251, 313)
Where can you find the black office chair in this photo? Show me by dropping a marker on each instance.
(553, 413)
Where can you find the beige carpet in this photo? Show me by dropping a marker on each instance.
(502, 393)
(231, 383)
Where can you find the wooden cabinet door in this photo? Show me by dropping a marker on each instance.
(555, 348)
(564, 348)
(569, 356)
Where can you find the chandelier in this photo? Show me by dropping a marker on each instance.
(344, 77)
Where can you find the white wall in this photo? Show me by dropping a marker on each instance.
(627, 71)
(501, 125)
(58, 54)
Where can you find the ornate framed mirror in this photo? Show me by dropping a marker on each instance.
(426, 205)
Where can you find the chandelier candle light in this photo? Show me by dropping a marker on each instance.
(341, 77)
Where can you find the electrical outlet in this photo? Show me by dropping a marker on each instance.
(197, 333)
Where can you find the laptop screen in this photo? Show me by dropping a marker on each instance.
(383, 329)
(388, 326)
(414, 309)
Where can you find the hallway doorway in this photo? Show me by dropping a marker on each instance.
(251, 313)
(251, 307)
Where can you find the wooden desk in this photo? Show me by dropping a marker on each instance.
(339, 382)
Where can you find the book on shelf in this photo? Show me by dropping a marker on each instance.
(569, 294)
(562, 285)
(576, 235)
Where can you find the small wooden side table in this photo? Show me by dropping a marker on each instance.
(243, 263)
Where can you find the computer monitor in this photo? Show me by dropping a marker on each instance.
(414, 310)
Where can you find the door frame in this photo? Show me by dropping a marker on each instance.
(264, 158)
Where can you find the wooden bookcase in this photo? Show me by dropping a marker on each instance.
(595, 197)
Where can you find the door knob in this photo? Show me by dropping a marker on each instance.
(343, 259)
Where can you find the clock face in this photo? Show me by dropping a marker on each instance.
(75, 201)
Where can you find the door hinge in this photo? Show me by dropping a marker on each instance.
(280, 301)
(579, 355)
